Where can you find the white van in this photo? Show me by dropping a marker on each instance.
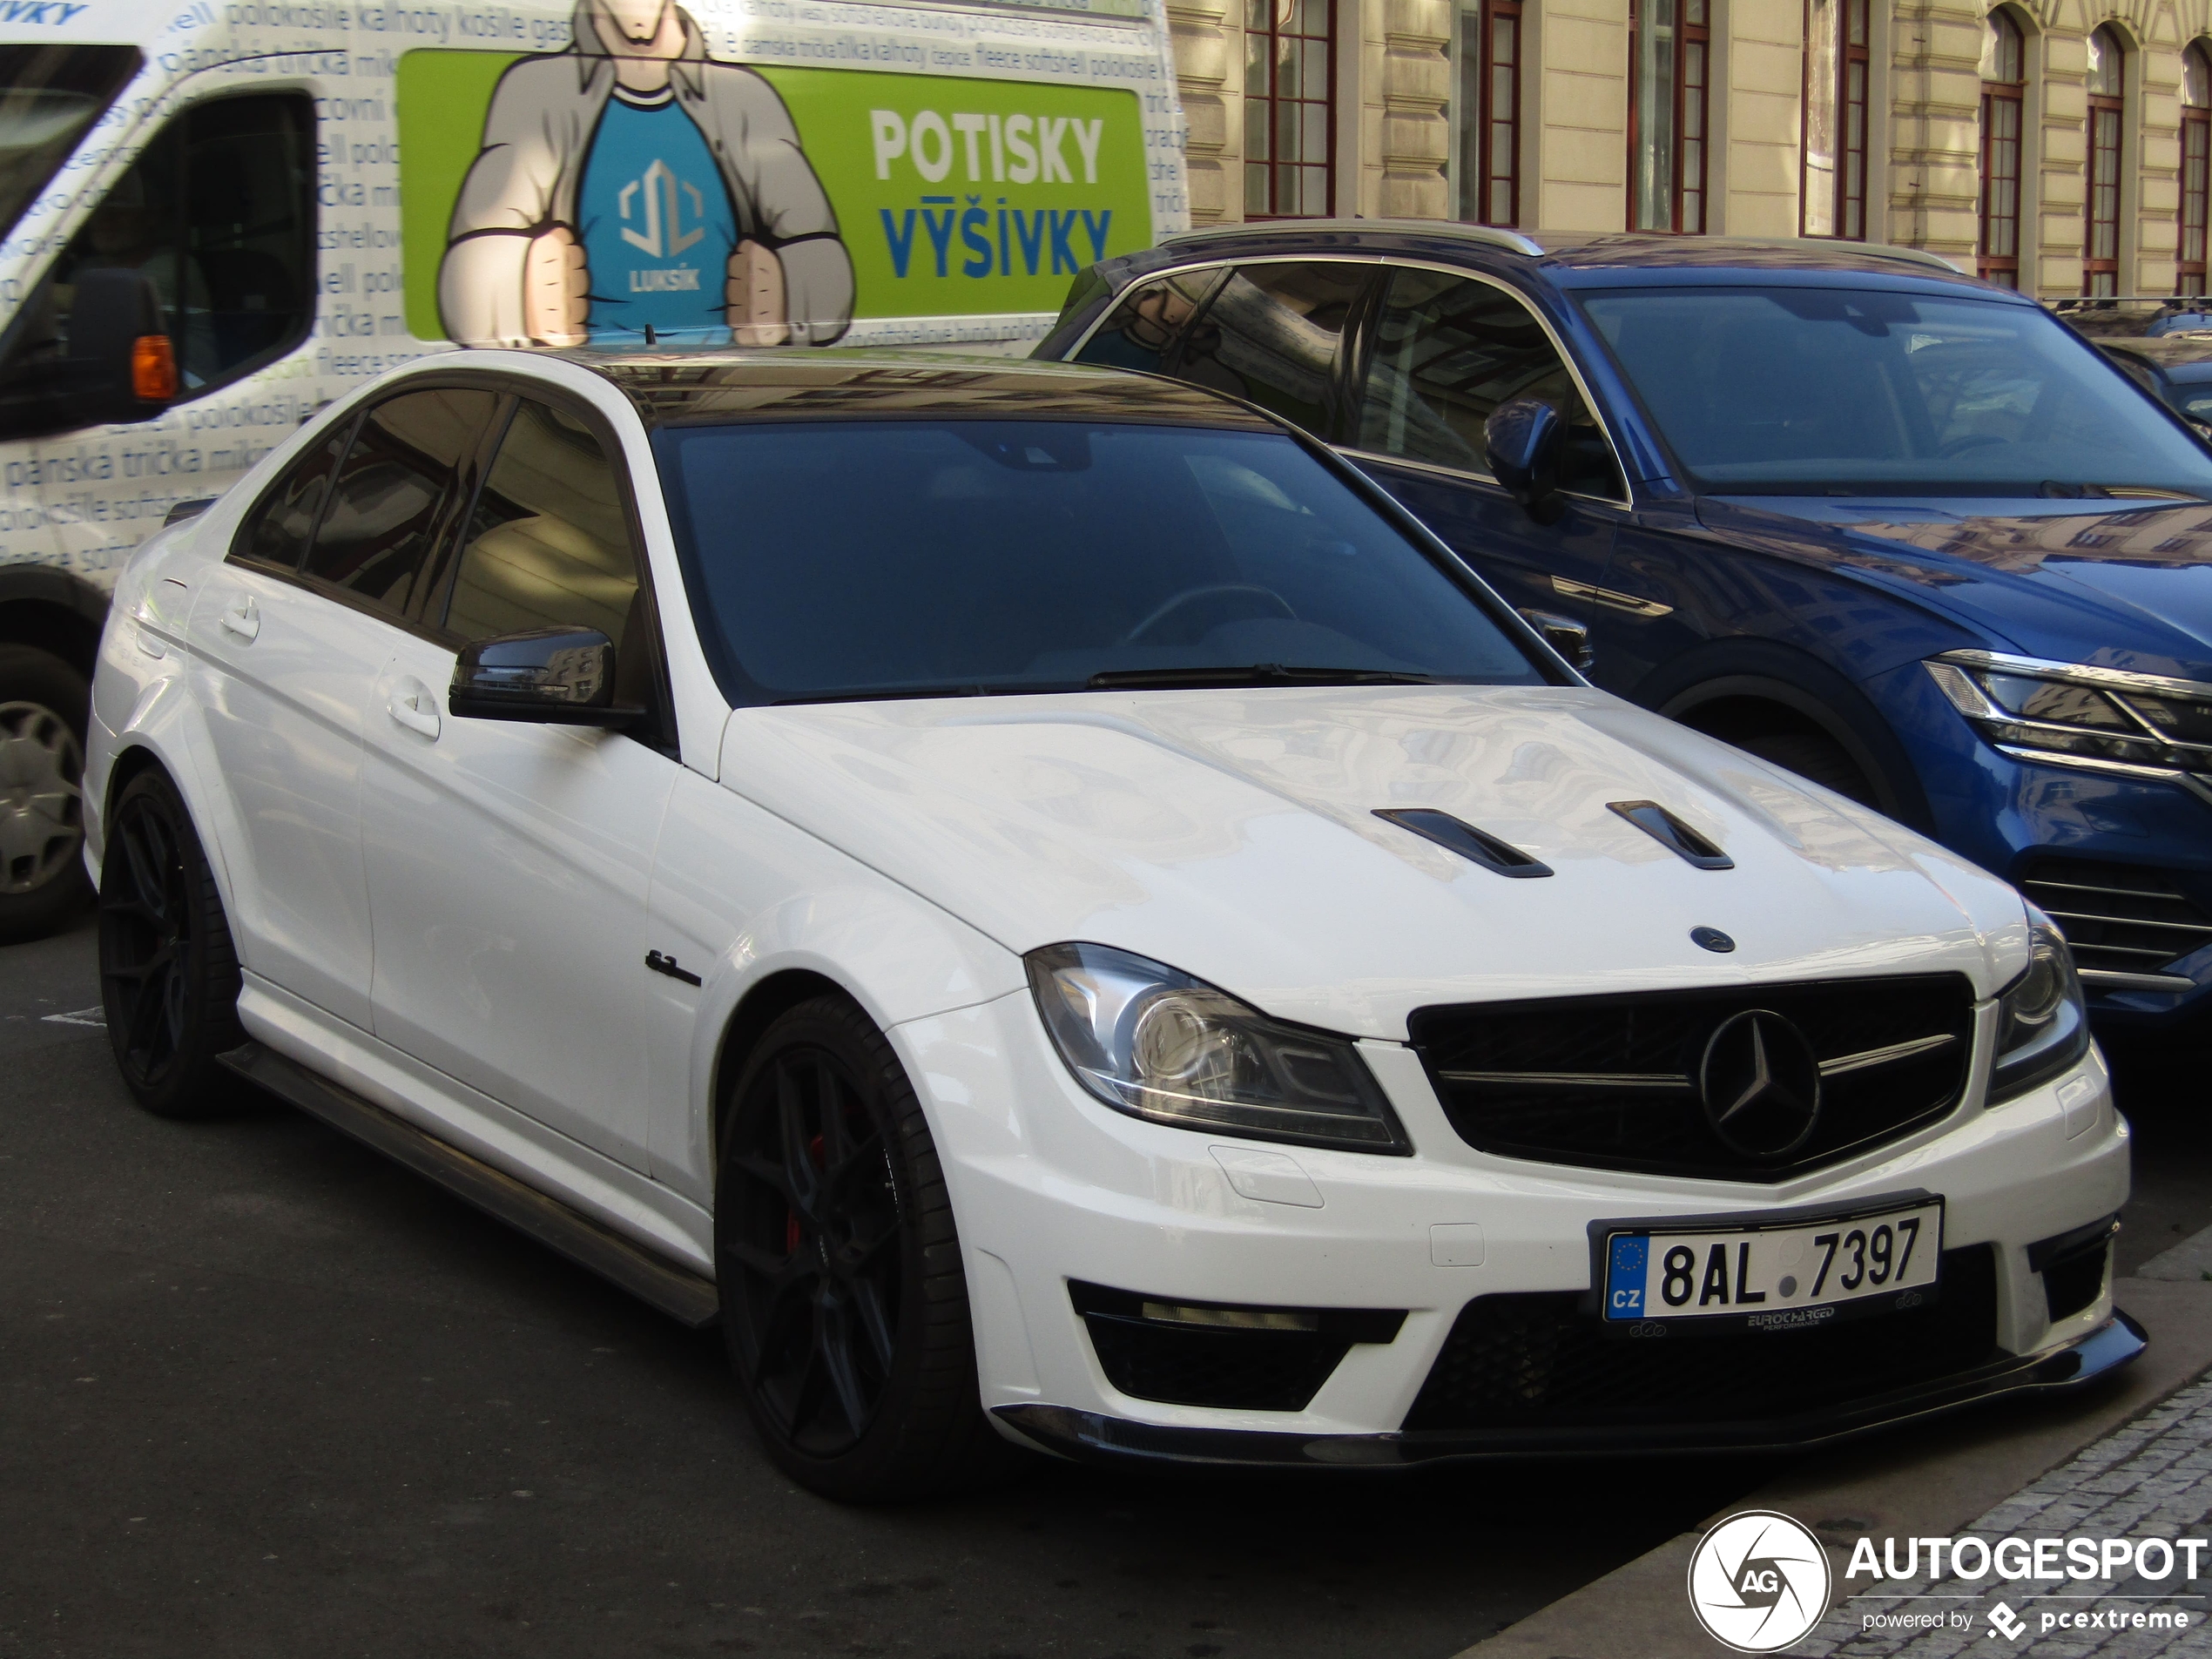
(219, 216)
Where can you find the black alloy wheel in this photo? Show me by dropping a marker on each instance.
(169, 974)
(844, 1305)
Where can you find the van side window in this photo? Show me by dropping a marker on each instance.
(388, 498)
(1272, 335)
(219, 213)
(1143, 328)
(1448, 351)
(277, 529)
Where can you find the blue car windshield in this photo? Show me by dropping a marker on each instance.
(1826, 391)
(891, 558)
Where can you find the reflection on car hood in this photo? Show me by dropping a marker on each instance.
(2121, 586)
(1231, 834)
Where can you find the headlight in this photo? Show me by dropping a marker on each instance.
(2042, 1029)
(2094, 720)
(1158, 1045)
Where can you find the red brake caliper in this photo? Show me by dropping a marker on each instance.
(790, 1216)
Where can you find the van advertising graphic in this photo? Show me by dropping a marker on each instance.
(750, 171)
(852, 194)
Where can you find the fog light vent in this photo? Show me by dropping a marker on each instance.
(1203, 1353)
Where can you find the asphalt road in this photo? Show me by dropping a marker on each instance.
(262, 1392)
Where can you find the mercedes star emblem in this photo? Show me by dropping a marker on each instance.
(1761, 1084)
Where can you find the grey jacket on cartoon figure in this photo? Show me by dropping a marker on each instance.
(517, 208)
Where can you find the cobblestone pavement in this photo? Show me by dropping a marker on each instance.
(2150, 1478)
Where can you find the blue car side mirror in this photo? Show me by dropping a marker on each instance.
(1522, 440)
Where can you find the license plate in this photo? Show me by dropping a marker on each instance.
(1780, 1273)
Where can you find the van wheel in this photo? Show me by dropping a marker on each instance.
(844, 1305)
(168, 971)
(43, 703)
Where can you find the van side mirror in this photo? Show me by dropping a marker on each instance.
(106, 360)
(551, 675)
(1522, 440)
(117, 331)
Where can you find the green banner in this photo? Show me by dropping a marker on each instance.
(953, 196)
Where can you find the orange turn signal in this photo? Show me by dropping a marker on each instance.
(153, 369)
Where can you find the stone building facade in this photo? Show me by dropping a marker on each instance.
(2060, 146)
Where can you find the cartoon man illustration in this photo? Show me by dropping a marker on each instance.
(633, 188)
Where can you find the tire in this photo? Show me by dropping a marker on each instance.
(1815, 755)
(168, 970)
(844, 1304)
(44, 705)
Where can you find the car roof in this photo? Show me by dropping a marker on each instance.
(721, 386)
(1574, 256)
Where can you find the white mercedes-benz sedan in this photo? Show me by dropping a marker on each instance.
(1051, 909)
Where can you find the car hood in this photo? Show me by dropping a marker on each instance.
(2119, 586)
(1232, 835)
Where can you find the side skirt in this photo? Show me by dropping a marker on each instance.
(682, 1295)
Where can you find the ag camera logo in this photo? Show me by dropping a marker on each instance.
(1759, 1581)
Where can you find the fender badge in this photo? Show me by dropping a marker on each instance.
(1711, 939)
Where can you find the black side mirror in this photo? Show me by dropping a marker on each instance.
(552, 676)
(1570, 639)
(116, 332)
(1522, 440)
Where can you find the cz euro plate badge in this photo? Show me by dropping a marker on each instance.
(1776, 1272)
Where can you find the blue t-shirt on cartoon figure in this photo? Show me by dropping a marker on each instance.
(657, 226)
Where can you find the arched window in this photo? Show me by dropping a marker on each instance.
(2196, 165)
(1669, 44)
(1488, 163)
(2107, 89)
(1290, 108)
(2003, 84)
(1837, 64)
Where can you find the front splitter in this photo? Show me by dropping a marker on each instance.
(1096, 1436)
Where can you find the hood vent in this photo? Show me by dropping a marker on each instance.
(1468, 842)
(1672, 833)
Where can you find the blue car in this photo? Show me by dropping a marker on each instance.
(1899, 531)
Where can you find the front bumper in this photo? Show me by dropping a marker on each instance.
(1091, 1435)
(1055, 1195)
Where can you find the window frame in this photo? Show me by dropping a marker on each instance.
(1851, 103)
(1686, 98)
(1480, 167)
(657, 730)
(2001, 268)
(2106, 114)
(1358, 355)
(2195, 212)
(1273, 105)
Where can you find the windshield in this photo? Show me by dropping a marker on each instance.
(872, 559)
(49, 96)
(1829, 391)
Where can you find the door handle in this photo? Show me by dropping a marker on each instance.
(242, 616)
(413, 706)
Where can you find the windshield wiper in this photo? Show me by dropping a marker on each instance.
(1250, 674)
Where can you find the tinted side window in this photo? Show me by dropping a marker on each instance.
(277, 529)
(1143, 328)
(548, 545)
(1446, 352)
(382, 519)
(219, 213)
(1272, 335)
